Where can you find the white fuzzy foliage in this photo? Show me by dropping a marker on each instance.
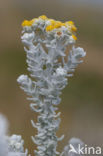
(15, 143)
(10, 145)
(48, 77)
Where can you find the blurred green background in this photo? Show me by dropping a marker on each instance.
(82, 99)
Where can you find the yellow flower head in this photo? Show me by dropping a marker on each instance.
(49, 28)
(43, 17)
(54, 25)
(52, 21)
(73, 28)
(58, 24)
(70, 22)
(74, 37)
(28, 23)
(71, 25)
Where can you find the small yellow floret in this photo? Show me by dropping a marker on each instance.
(49, 28)
(27, 23)
(70, 22)
(58, 24)
(54, 25)
(63, 24)
(73, 28)
(71, 25)
(74, 37)
(52, 21)
(43, 17)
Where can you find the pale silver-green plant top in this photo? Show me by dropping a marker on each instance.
(50, 64)
(51, 59)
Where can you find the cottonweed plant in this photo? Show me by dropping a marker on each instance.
(52, 59)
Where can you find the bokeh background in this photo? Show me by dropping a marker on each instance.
(82, 99)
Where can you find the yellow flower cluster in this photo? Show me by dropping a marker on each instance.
(43, 17)
(74, 37)
(53, 24)
(29, 23)
(57, 24)
(71, 25)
